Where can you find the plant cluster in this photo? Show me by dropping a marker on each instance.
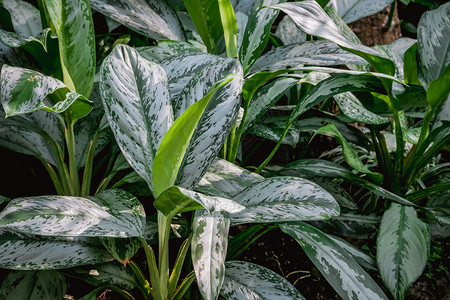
(142, 130)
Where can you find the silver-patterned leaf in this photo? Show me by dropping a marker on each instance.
(244, 281)
(136, 98)
(272, 128)
(209, 249)
(403, 246)
(30, 252)
(113, 213)
(350, 106)
(358, 255)
(283, 199)
(344, 274)
(353, 10)
(152, 18)
(167, 49)
(33, 285)
(289, 33)
(122, 249)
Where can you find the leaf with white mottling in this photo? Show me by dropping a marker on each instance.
(403, 246)
(72, 20)
(244, 280)
(433, 43)
(152, 18)
(289, 33)
(344, 274)
(122, 249)
(33, 285)
(167, 49)
(353, 10)
(319, 53)
(358, 255)
(226, 179)
(283, 199)
(136, 98)
(209, 249)
(30, 252)
(353, 108)
(113, 213)
(272, 128)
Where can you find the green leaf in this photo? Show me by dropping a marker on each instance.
(30, 252)
(403, 246)
(229, 26)
(438, 90)
(350, 155)
(273, 127)
(33, 285)
(257, 33)
(113, 213)
(137, 103)
(73, 23)
(25, 91)
(122, 249)
(358, 255)
(244, 280)
(344, 274)
(410, 70)
(209, 249)
(354, 10)
(152, 18)
(433, 28)
(167, 49)
(283, 199)
(351, 107)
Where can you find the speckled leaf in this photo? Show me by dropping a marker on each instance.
(113, 213)
(433, 43)
(358, 255)
(344, 274)
(257, 33)
(353, 10)
(137, 102)
(289, 33)
(283, 199)
(244, 280)
(24, 91)
(226, 179)
(353, 108)
(209, 249)
(73, 23)
(122, 249)
(176, 199)
(152, 18)
(319, 53)
(403, 246)
(30, 252)
(272, 128)
(33, 285)
(167, 49)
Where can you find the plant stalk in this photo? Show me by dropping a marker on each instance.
(73, 170)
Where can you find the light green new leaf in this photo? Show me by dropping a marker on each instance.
(350, 155)
(30, 252)
(136, 97)
(209, 249)
(354, 10)
(283, 199)
(73, 23)
(24, 91)
(244, 280)
(33, 285)
(403, 246)
(113, 213)
(229, 25)
(433, 43)
(344, 274)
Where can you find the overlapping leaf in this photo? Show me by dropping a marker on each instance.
(354, 10)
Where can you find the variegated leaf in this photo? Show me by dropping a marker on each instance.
(353, 108)
(226, 179)
(113, 213)
(137, 102)
(33, 285)
(403, 246)
(167, 49)
(244, 280)
(209, 249)
(152, 18)
(283, 199)
(257, 33)
(73, 23)
(358, 255)
(13, 57)
(353, 10)
(289, 33)
(433, 43)
(30, 252)
(272, 128)
(122, 249)
(319, 53)
(344, 274)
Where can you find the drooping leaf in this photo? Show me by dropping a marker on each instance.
(244, 280)
(137, 103)
(403, 246)
(282, 199)
(33, 285)
(344, 274)
(209, 248)
(73, 23)
(354, 10)
(152, 18)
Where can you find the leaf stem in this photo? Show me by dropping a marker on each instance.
(70, 142)
(153, 270)
(274, 150)
(87, 175)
